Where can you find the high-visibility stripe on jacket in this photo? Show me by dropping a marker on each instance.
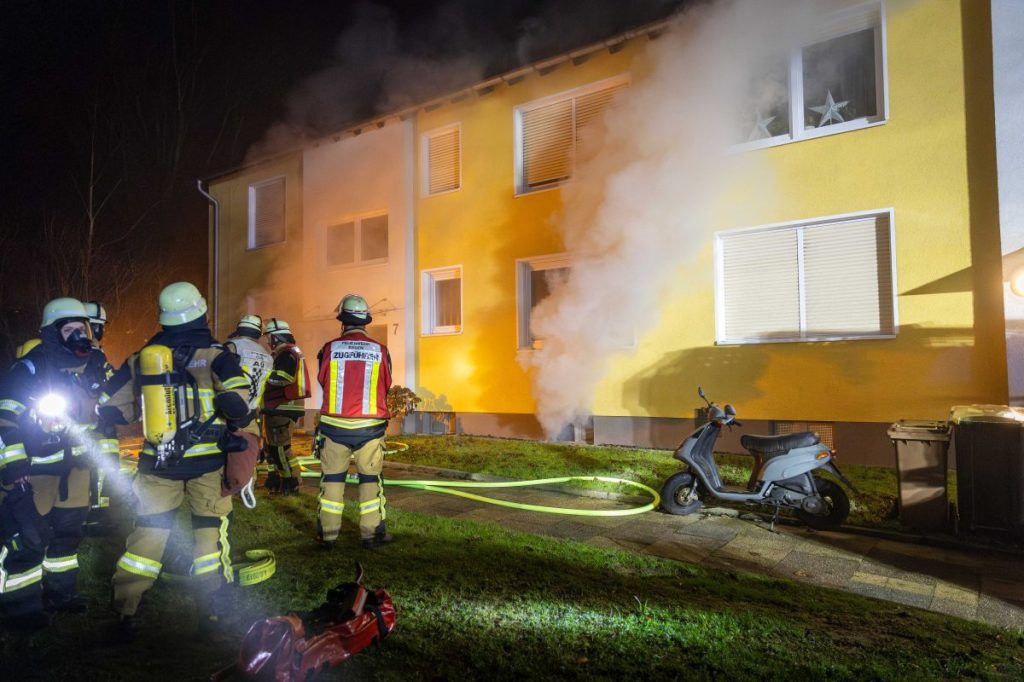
(288, 383)
(355, 373)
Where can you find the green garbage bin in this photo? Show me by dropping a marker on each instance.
(921, 465)
(989, 442)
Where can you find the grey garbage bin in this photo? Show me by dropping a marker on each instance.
(989, 442)
(921, 464)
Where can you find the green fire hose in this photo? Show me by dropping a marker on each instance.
(451, 488)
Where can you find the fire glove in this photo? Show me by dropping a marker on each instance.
(23, 527)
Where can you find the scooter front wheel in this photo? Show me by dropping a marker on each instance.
(680, 495)
(837, 506)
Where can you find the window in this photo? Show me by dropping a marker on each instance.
(358, 241)
(266, 213)
(548, 132)
(535, 278)
(825, 279)
(442, 300)
(833, 84)
(442, 160)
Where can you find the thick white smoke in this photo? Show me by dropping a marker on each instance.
(647, 182)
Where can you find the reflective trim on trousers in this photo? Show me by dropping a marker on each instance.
(225, 551)
(139, 565)
(206, 563)
(332, 507)
(60, 564)
(109, 446)
(369, 507)
(9, 582)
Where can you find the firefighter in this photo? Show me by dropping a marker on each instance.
(284, 403)
(47, 417)
(355, 373)
(208, 398)
(256, 362)
(110, 465)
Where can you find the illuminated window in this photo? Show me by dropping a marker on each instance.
(442, 160)
(549, 131)
(266, 213)
(442, 300)
(818, 280)
(358, 241)
(833, 83)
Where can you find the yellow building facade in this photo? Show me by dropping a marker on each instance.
(917, 171)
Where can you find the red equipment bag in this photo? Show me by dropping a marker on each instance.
(298, 645)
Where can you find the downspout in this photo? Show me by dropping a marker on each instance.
(216, 254)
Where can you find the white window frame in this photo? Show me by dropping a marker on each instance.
(810, 222)
(524, 268)
(796, 84)
(253, 186)
(517, 125)
(425, 159)
(428, 300)
(357, 220)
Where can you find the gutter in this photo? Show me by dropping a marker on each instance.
(215, 260)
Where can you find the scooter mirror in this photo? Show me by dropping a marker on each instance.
(700, 391)
(730, 411)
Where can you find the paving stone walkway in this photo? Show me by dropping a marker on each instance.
(975, 584)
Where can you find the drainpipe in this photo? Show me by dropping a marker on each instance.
(216, 254)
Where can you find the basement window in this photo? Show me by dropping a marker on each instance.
(266, 213)
(834, 83)
(442, 160)
(360, 241)
(442, 300)
(825, 279)
(549, 131)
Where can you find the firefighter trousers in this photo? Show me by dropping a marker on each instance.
(28, 575)
(334, 460)
(278, 442)
(159, 499)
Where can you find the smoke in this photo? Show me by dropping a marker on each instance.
(385, 61)
(650, 179)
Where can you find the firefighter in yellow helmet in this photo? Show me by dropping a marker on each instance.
(100, 487)
(355, 373)
(284, 403)
(256, 362)
(187, 436)
(47, 417)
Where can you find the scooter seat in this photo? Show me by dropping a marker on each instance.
(777, 445)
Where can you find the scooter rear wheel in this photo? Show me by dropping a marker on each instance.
(837, 506)
(680, 495)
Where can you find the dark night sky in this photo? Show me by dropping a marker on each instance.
(175, 90)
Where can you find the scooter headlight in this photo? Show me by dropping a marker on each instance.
(52, 405)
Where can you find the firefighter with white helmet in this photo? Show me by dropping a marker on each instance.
(194, 395)
(284, 403)
(47, 417)
(99, 483)
(355, 373)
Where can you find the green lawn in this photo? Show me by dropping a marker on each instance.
(476, 601)
(524, 459)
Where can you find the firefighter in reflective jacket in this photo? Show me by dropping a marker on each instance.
(100, 486)
(355, 373)
(284, 403)
(256, 362)
(209, 397)
(47, 420)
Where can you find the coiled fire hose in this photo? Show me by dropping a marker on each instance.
(260, 566)
(306, 465)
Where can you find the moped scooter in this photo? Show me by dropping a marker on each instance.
(782, 478)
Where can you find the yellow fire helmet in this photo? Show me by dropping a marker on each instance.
(353, 310)
(276, 326)
(64, 308)
(254, 322)
(181, 302)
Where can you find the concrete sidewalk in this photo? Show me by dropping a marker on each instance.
(975, 584)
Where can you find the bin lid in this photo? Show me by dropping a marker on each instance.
(986, 413)
(919, 429)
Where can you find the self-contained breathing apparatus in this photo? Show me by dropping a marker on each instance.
(172, 414)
